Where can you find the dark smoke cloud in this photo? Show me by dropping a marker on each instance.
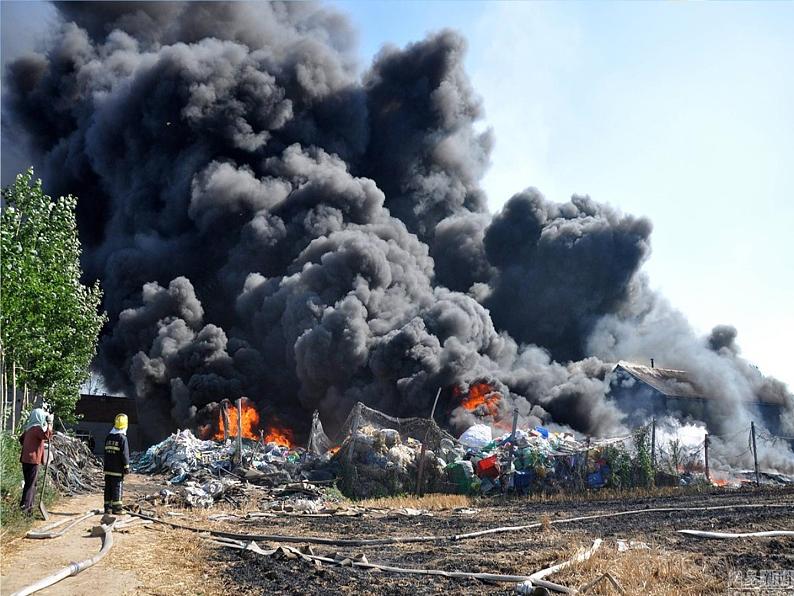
(561, 267)
(423, 149)
(267, 222)
(723, 337)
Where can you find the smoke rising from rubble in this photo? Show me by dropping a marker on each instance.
(267, 222)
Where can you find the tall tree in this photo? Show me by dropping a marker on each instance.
(50, 320)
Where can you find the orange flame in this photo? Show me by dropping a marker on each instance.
(281, 435)
(250, 421)
(334, 450)
(481, 398)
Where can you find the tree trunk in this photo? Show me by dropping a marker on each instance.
(13, 396)
(3, 408)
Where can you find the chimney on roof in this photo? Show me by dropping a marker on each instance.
(651, 362)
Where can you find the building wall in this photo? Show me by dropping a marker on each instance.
(96, 415)
(100, 430)
(640, 402)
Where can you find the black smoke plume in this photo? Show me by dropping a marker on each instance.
(267, 222)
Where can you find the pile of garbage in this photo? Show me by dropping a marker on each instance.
(205, 472)
(531, 459)
(380, 462)
(73, 468)
(480, 463)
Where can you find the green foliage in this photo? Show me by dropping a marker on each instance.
(50, 321)
(627, 470)
(642, 464)
(11, 517)
(620, 466)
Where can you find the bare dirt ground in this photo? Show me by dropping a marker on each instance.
(143, 561)
(166, 561)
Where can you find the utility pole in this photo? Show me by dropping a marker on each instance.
(706, 455)
(755, 454)
(653, 443)
(421, 471)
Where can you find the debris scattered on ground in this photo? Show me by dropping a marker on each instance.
(201, 473)
(74, 469)
(625, 545)
(375, 455)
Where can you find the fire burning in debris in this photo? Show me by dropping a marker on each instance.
(281, 435)
(252, 428)
(481, 399)
(250, 418)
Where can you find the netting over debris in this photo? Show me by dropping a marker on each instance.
(381, 454)
(420, 429)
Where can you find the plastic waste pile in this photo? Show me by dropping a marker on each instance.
(385, 463)
(208, 471)
(182, 454)
(480, 463)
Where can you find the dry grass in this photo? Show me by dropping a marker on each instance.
(653, 572)
(430, 502)
(611, 494)
(545, 523)
(167, 562)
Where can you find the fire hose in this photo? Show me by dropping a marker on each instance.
(536, 579)
(439, 538)
(73, 568)
(49, 530)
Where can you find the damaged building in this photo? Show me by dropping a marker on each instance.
(645, 391)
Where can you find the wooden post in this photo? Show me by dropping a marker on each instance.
(512, 447)
(706, 455)
(584, 467)
(420, 473)
(653, 443)
(755, 454)
(240, 430)
(225, 419)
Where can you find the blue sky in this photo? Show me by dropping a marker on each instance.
(683, 112)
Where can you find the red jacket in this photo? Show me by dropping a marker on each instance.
(33, 445)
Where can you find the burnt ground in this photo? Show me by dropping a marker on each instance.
(162, 561)
(519, 552)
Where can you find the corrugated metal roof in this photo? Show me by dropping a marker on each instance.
(674, 383)
(669, 381)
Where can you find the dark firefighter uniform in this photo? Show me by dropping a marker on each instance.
(117, 464)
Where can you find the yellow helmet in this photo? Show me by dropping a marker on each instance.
(121, 422)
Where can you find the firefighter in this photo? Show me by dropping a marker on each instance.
(38, 429)
(117, 464)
